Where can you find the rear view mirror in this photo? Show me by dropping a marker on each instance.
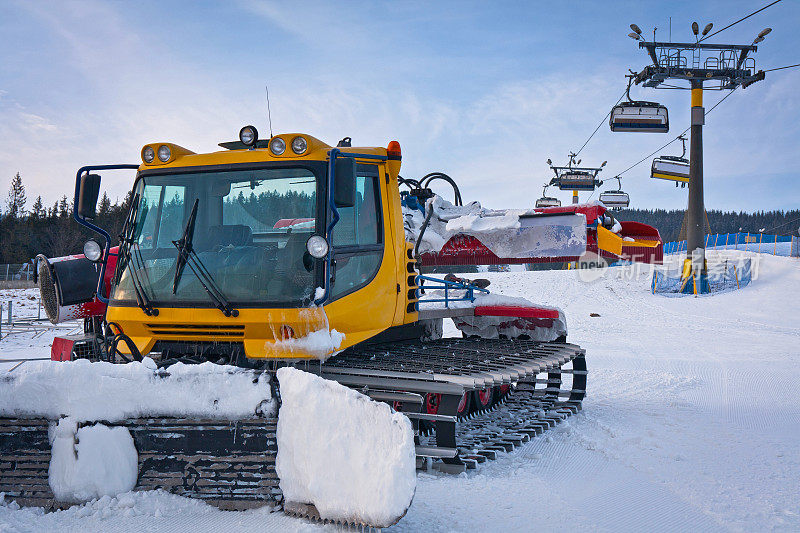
(87, 196)
(344, 182)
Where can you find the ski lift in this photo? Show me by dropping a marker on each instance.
(617, 199)
(671, 167)
(547, 201)
(576, 180)
(638, 116)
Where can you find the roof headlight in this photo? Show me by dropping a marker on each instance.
(317, 246)
(164, 153)
(299, 145)
(248, 135)
(92, 251)
(277, 146)
(148, 154)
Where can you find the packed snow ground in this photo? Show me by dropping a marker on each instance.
(692, 422)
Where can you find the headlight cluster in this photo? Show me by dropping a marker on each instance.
(149, 154)
(278, 146)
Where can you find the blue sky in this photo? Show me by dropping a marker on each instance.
(484, 91)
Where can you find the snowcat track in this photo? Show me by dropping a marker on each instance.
(229, 464)
(453, 366)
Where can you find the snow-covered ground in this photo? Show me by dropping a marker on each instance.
(692, 422)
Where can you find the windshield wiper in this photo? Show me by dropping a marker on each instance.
(187, 256)
(126, 251)
(141, 295)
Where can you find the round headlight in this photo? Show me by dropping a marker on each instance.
(299, 145)
(248, 135)
(148, 154)
(164, 153)
(317, 246)
(92, 251)
(277, 146)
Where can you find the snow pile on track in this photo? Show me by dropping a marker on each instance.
(91, 462)
(508, 233)
(492, 327)
(110, 392)
(350, 457)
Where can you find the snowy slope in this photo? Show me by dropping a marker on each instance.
(692, 422)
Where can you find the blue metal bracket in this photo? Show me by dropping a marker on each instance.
(468, 288)
(97, 229)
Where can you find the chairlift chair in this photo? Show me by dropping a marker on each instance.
(576, 180)
(547, 201)
(617, 199)
(671, 167)
(638, 116)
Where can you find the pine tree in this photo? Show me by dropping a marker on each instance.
(105, 205)
(16, 198)
(63, 207)
(38, 211)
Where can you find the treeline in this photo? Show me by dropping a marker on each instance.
(50, 230)
(669, 222)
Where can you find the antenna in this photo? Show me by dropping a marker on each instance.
(269, 113)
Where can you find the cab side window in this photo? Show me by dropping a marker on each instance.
(358, 236)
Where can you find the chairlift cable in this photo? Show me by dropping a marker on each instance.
(738, 21)
(781, 68)
(601, 123)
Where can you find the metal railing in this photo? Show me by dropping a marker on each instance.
(782, 245)
(16, 272)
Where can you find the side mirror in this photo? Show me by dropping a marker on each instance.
(87, 196)
(344, 182)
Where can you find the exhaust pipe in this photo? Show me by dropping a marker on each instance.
(68, 287)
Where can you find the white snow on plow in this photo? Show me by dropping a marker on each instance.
(110, 392)
(492, 327)
(508, 233)
(350, 457)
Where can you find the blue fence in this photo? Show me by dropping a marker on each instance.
(723, 276)
(784, 245)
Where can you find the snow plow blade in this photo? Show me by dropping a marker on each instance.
(70, 448)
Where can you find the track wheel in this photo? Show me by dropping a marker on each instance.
(432, 401)
(483, 398)
(501, 392)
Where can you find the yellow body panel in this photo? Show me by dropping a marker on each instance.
(386, 301)
(608, 241)
(642, 243)
(670, 177)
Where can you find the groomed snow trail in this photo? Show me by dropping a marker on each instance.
(691, 422)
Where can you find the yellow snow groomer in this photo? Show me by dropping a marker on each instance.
(288, 251)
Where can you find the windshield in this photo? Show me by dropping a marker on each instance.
(250, 233)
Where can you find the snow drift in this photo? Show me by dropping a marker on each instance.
(91, 461)
(109, 392)
(350, 457)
